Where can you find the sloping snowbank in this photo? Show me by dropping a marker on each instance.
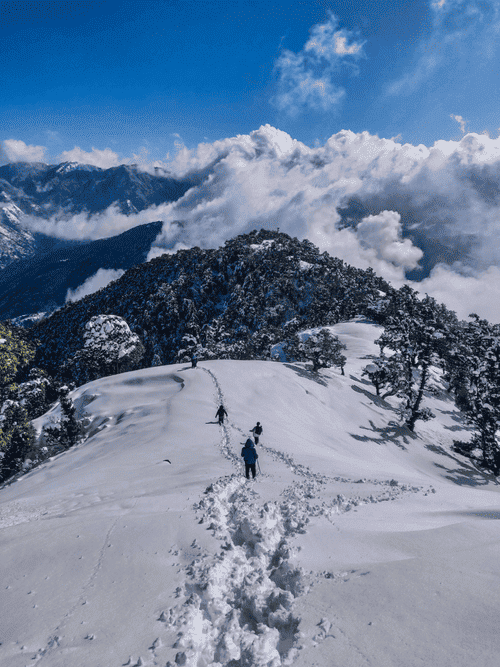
(359, 544)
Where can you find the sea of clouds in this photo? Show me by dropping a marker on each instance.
(429, 215)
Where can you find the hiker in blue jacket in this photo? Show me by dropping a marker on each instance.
(250, 457)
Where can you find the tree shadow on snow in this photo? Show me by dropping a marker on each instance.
(308, 374)
(465, 474)
(395, 433)
(377, 400)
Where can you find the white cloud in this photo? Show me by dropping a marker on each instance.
(479, 293)
(98, 158)
(99, 226)
(461, 121)
(94, 283)
(308, 79)
(17, 151)
(382, 232)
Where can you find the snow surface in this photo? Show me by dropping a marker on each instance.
(359, 545)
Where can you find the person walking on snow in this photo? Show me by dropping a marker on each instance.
(250, 457)
(256, 430)
(220, 414)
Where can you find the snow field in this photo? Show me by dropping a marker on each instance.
(359, 545)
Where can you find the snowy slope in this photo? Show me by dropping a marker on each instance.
(359, 545)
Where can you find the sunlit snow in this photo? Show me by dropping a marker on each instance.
(359, 544)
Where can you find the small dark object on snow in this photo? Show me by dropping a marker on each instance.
(167, 461)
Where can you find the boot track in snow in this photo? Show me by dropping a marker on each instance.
(237, 606)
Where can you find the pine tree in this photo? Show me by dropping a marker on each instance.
(321, 348)
(16, 352)
(383, 374)
(110, 347)
(17, 437)
(67, 430)
(416, 332)
(478, 391)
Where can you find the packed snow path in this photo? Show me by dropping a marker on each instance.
(358, 545)
(237, 607)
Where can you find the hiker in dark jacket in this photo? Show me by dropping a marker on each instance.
(220, 414)
(257, 431)
(194, 361)
(250, 457)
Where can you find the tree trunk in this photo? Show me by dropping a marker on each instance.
(414, 408)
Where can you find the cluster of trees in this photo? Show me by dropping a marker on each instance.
(422, 337)
(26, 392)
(24, 395)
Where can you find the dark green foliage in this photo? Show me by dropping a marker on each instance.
(16, 352)
(17, 437)
(416, 331)
(473, 369)
(67, 430)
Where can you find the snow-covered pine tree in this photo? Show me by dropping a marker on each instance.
(383, 374)
(416, 333)
(17, 437)
(323, 349)
(478, 392)
(110, 348)
(68, 429)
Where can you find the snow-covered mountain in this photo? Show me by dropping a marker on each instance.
(42, 191)
(359, 543)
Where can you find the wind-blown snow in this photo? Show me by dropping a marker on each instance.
(359, 544)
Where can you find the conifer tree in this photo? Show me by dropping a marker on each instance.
(67, 430)
(416, 333)
(17, 437)
(321, 348)
(478, 392)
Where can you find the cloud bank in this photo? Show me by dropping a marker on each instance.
(98, 158)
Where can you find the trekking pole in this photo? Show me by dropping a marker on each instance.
(260, 471)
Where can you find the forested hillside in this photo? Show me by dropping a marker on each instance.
(232, 302)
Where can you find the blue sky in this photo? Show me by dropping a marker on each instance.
(139, 77)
